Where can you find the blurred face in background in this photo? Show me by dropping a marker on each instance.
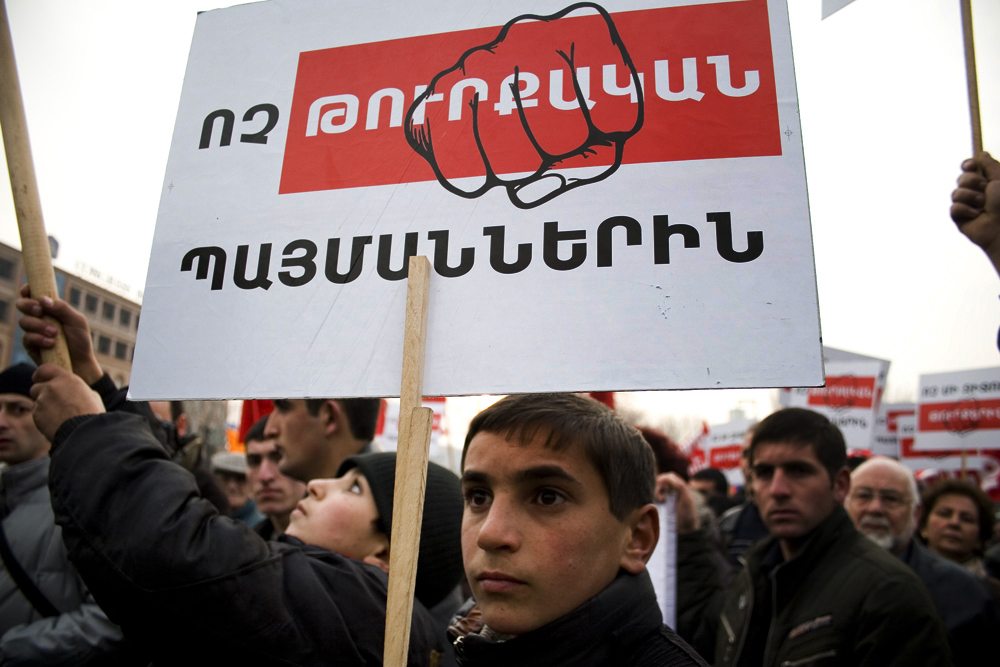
(882, 505)
(274, 493)
(952, 528)
(20, 440)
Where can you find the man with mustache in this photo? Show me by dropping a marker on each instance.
(884, 505)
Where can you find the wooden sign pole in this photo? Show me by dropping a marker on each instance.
(971, 77)
(27, 203)
(411, 470)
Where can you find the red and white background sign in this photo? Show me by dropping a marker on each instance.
(439, 451)
(980, 464)
(595, 186)
(885, 441)
(959, 411)
(721, 448)
(851, 397)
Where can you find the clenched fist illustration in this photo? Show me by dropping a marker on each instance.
(548, 94)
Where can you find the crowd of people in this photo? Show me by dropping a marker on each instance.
(123, 545)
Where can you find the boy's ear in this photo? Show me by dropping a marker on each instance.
(380, 557)
(643, 526)
(332, 415)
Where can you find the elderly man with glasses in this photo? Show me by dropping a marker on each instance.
(884, 505)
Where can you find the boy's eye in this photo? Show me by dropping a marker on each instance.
(477, 497)
(283, 405)
(356, 488)
(549, 497)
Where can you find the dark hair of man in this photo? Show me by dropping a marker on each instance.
(362, 414)
(176, 410)
(798, 426)
(256, 432)
(617, 451)
(716, 477)
(958, 487)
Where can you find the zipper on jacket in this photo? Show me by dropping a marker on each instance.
(805, 661)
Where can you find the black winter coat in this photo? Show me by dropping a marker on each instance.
(841, 600)
(193, 587)
(622, 625)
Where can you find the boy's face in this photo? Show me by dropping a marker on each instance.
(538, 536)
(339, 515)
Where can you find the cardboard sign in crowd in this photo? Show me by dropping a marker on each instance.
(611, 197)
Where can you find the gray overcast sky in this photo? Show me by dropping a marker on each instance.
(884, 119)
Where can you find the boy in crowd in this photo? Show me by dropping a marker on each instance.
(275, 493)
(191, 586)
(559, 523)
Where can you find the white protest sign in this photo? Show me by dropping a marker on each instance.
(439, 449)
(850, 399)
(959, 410)
(831, 6)
(885, 439)
(611, 199)
(662, 565)
(983, 464)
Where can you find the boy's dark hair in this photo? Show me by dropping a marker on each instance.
(718, 479)
(798, 426)
(958, 487)
(362, 414)
(256, 432)
(617, 451)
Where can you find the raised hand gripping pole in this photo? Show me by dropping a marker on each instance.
(34, 241)
(411, 469)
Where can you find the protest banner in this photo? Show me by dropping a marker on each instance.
(851, 397)
(980, 464)
(662, 565)
(440, 449)
(885, 438)
(641, 197)
(959, 411)
(829, 7)
(721, 448)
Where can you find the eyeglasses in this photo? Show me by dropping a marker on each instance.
(889, 499)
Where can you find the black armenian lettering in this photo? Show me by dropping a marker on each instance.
(562, 250)
(228, 118)
(307, 262)
(357, 260)
(550, 247)
(468, 256)
(205, 257)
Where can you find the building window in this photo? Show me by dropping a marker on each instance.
(103, 345)
(4, 307)
(124, 317)
(108, 311)
(74, 297)
(6, 269)
(90, 303)
(121, 350)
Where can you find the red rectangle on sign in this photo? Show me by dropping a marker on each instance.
(706, 74)
(725, 458)
(960, 416)
(846, 391)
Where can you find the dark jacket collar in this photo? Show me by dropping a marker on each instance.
(767, 554)
(605, 625)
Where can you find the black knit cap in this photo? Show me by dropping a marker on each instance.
(17, 379)
(439, 563)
